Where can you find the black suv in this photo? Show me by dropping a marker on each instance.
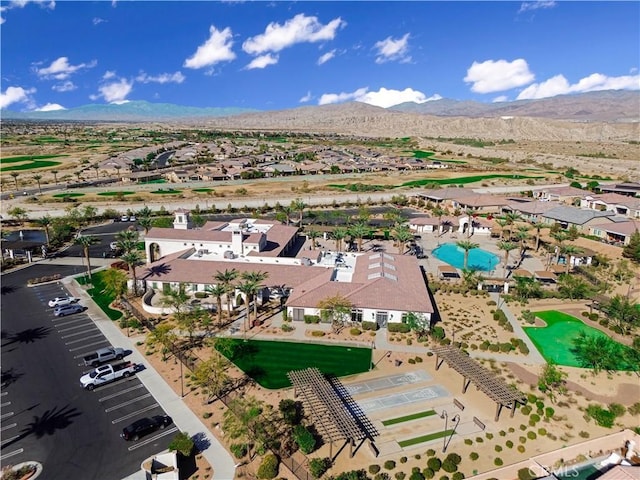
(145, 426)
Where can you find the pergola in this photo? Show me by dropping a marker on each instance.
(485, 380)
(335, 414)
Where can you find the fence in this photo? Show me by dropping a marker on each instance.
(297, 467)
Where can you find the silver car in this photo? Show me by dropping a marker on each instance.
(68, 310)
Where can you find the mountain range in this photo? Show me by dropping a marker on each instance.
(611, 106)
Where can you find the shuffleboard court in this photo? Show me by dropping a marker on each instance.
(389, 381)
(395, 400)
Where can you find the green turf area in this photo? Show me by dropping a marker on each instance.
(102, 299)
(555, 341)
(29, 162)
(425, 438)
(408, 418)
(422, 154)
(68, 195)
(114, 194)
(202, 190)
(166, 192)
(160, 180)
(268, 362)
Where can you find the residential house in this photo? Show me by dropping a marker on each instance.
(614, 202)
(568, 216)
(529, 210)
(566, 194)
(631, 189)
(618, 233)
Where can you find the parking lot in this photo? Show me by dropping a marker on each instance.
(45, 414)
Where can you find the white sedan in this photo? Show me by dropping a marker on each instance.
(61, 301)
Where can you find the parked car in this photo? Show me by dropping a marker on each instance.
(65, 310)
(132, 218)
(108, 373)
(124, 218)
(103, 355)
(62, 301)
(145, 426)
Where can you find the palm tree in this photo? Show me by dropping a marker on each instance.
(258, 278)
(511, 218)
(339, 234)
(132, 258)
(96, 167)
(538, 227)
(55, 176)
(127, 240)
(226, 279)
(312, 235)
(402, 235)
(37, 178)
(45, 222)
(15, 176)
(395, 217)
(503, 224)
(146, 223)
(217, 291)
(438, 212)
(85, 241)
(359, 231)
(568, 251)
(298, 205)
(466, 245)
(523, 235)
(559, 237)
(507, 247)
(248, 289)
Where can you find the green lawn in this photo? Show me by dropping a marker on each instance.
(202, 190)
(268, 362)
(555, 341)
(96, 292)
(68, 195)
(408, 418)
(425, 438)
(166, 192)
(114, 194)
(30, 162)
(354, 187)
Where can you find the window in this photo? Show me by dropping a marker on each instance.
(356, 315)
(298, 314)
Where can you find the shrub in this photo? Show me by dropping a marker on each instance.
(418, 359)
(468, 441)
(532, 435)
(403, 459)
(416, 476)
(509, 444)
(355, 331)
(311, 319)
(434, 464)
(206, 415)
(526, 410)
(531, 398)
(526, 474)
(522, 439)
(268, 469)
(474, 456)
(549, 412)
(370, 326)
(182, 443)
(400, 475)
(373, 469)
(201, 295)
(395, 327)
(583, 434)
(498, 462)
(428, 473)
(287, 328)
(542, 432)
(497, 448)
(521, 448)
(431, 452)
(449, 466)
(602, 417)
(489, 436)
(304, 438)
(617, 409)
(412, 361)
(317, 333)
(317, 466)
(634, 409)
(382, 476)
(455, 458)
(457, 476)
(535, 418)
(389, 465)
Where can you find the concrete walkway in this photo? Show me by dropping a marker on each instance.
(221, 461)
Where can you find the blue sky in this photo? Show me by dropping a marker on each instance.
(279, 55)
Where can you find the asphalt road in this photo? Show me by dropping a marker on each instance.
(45, 414)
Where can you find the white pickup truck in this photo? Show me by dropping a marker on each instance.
(107, 373)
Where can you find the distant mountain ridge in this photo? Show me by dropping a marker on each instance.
(134, 111)
(602, 106)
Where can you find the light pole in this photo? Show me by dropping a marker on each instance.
(444, 415)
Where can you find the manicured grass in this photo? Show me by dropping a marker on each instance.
(555, 341)
(114, 194)
(68, 195)
(160, 180)
(426, 181)
(425, 438)
(29, 162)
(422, 154)
(166, 192)
(27, 158)
(408, 418)
(268, 362)
(202, 190)
(102, 299)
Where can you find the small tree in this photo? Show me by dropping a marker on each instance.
(183, 444)
(552, 380)
(632, 249)
(304, 438)
(335, 309)
(418, 322)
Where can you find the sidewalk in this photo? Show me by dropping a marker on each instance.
(220, 460)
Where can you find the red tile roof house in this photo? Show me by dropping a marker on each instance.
(614, 202)
(427, 224)
(381, 287)
(616, 233)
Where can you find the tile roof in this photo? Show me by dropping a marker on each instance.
(622, 228)
(576, 216)
(531, 207)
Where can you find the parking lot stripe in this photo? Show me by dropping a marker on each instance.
(152, 439)
(102, 388)
(91, 329)
(3, 394)
(128, 402)
(69, 322)
(8, 427)
(15, 452)
(73, 328)
(9, 440)
(5, 404)
(85, 346)
(6, 415)
(83, 339)
(121, 392)
(134, 414)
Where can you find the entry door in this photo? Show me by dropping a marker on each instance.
(381, 319)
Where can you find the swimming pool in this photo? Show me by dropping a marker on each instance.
(478, 259)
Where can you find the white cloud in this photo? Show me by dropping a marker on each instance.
(16, 95)
(114, 92)
(50, 107)
(299, 29)
(98, 20)
(50, 4)
(536, 5)
(67, 86)
(60, 69)
(498, 75)
(382, 98)
(391, 50)
(559, 85)
(215, 50)
(108, 74)
(176, 77)
(262, 61)
(324, 58)
(306, 98)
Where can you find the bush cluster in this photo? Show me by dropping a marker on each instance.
(268, 469)
(47, 278)
(398, 328)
